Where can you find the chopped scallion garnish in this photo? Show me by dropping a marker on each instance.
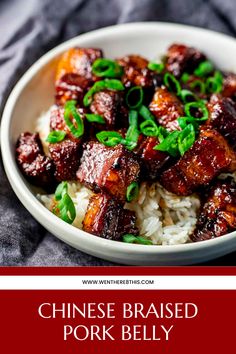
(187, 96)
(169, 144)
(109, 138)
(65, 209)
(95, 118)
(132, 191)
(56, 136)
(185, 77)
(134, 97)
(111, 84)
(186, 139)
(198, 85)
(132, 135)
(106, 68)
(70, 114)
(129, 238)
(215, 84)
(172, 83)
(145, 113)
(199, 106)
(149, 128)
(158, 67)
(204, 69)
(61, 190)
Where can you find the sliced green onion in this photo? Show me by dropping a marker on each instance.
(218, 76)
(162, 133)
(95, 118)
(198, 85)
(131, 138)
(106, 68)
(61, 190)
(129, 238)
(215, 84)
(149, 128)
(111, 84)
(158, 67)
(172, 83)
(187, 96)
(71, 113)
(186, 139)
(56, 136)
(185, 77)
(132, 135)
(197, 105)
(134, 97)
(169, 144)
(65, 209)
(178, 142)
(145, 113)
(133, 118)
(204, 69)
(132, 191)
(184, 121)
(109, 138)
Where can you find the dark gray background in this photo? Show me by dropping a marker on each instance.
(29, 28)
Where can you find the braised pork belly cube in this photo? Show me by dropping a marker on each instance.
(110, 105)
(136, 72)
(181, 58)
(107, 169)
(36, 167)
(106, 218)
(71, 87)
(78, 61)
(65, 154)
(207, 158)
(74, 74)
(167, 108)
(152, 161)
(66, 157)
(218, 213)
(222, 117)
(229, 86)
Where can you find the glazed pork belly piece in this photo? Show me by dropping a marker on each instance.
(167, 108)
(218, 213)
(65, 154)
(78, 61)
(152, 161)
(36, 167)
(222, 117)
(106, 218)
(136, 72)
(71, 87)
(107, 169)
(110, 105)
(181, 58)
(229, 86)
(207, 158)
(74, 74)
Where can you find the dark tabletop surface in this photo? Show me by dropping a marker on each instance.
(29, 28)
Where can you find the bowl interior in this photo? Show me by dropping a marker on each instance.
(35, 93)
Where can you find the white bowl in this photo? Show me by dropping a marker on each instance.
(34, 93)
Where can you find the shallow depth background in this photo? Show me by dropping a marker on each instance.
(29, 28)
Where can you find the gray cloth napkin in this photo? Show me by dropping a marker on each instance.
(29, 28)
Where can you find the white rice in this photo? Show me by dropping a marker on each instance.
(162, 217)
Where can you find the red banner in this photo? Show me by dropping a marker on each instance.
(109, 321)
